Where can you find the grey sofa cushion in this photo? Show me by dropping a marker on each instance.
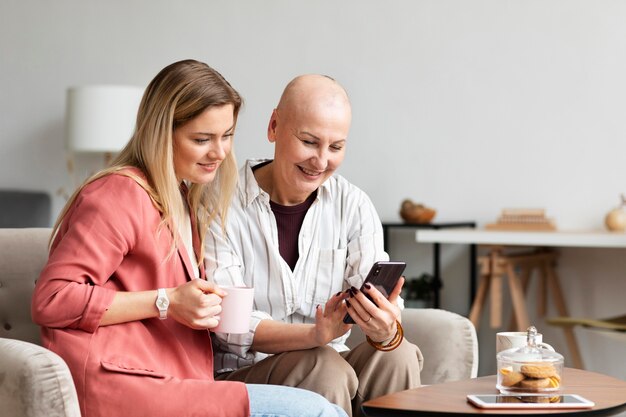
(23, 253)
(24, 209)
(447, 340)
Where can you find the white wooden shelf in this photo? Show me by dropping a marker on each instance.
(587, 239)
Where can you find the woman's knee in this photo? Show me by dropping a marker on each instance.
(327, 361)
(407, 355)
(280, 401)
(406, 359)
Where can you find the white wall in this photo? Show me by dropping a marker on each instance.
(468, 106)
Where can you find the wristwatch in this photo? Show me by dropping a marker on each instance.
(162, 303)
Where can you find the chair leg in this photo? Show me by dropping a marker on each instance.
(517, 296)
(559, 301)
(496, 301)
(542, 290)
(525, 278)
(479, 300)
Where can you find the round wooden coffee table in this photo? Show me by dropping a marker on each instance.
(450, 399)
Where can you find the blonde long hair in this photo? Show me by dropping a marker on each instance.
(179, 92)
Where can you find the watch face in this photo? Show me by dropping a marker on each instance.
(162, 303)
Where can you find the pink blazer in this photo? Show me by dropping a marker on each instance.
(109, 242)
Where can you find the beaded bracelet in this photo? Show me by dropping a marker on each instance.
(393, 344)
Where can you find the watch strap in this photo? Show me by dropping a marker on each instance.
(162, 303)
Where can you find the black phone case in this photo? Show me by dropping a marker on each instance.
(383, 275)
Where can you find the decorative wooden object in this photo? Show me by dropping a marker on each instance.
(522, 219)
(615, 219)
(416, 213)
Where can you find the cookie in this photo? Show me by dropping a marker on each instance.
(539, 370)
(535, 383)
(510, 377)
(555, 381)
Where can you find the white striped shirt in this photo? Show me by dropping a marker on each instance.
(341, 237)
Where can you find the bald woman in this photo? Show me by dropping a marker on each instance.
(305, 238)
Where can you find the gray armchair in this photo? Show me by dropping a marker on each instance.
(35, 382)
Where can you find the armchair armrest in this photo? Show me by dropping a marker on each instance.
(35, 382)
(447, 340)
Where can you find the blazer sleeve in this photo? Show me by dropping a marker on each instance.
(99, 230)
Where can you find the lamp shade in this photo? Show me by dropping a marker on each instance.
(101, 118)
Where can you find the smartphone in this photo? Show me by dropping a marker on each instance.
(383, 275)
(530, 401)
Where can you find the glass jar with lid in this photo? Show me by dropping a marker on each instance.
(529, 369)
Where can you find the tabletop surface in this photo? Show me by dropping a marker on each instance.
(565, 238)
(608, 394)
(431, 225)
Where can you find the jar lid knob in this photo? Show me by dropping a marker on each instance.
(531, 336)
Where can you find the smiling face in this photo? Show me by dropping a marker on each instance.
(310, 131)
(201, 144)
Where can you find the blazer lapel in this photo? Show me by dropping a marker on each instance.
(184, 257)
(195, 238)
(197, 249)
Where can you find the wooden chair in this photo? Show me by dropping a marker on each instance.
(518, 268)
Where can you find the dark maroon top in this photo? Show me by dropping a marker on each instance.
(289, 221)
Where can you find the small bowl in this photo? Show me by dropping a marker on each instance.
(418, 215)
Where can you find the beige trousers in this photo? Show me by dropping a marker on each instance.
(346, 379)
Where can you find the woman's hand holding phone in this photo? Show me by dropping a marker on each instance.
(383, 275)
(376, 317)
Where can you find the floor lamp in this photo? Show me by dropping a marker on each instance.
(99, 119)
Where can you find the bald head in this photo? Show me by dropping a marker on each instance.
(309, 129)
(309, 93)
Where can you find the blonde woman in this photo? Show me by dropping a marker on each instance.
(123, 298)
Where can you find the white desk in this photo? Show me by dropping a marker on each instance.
(584, 239)
(472, 237)
(499, 238)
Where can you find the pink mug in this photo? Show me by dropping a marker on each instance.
(236, 310)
